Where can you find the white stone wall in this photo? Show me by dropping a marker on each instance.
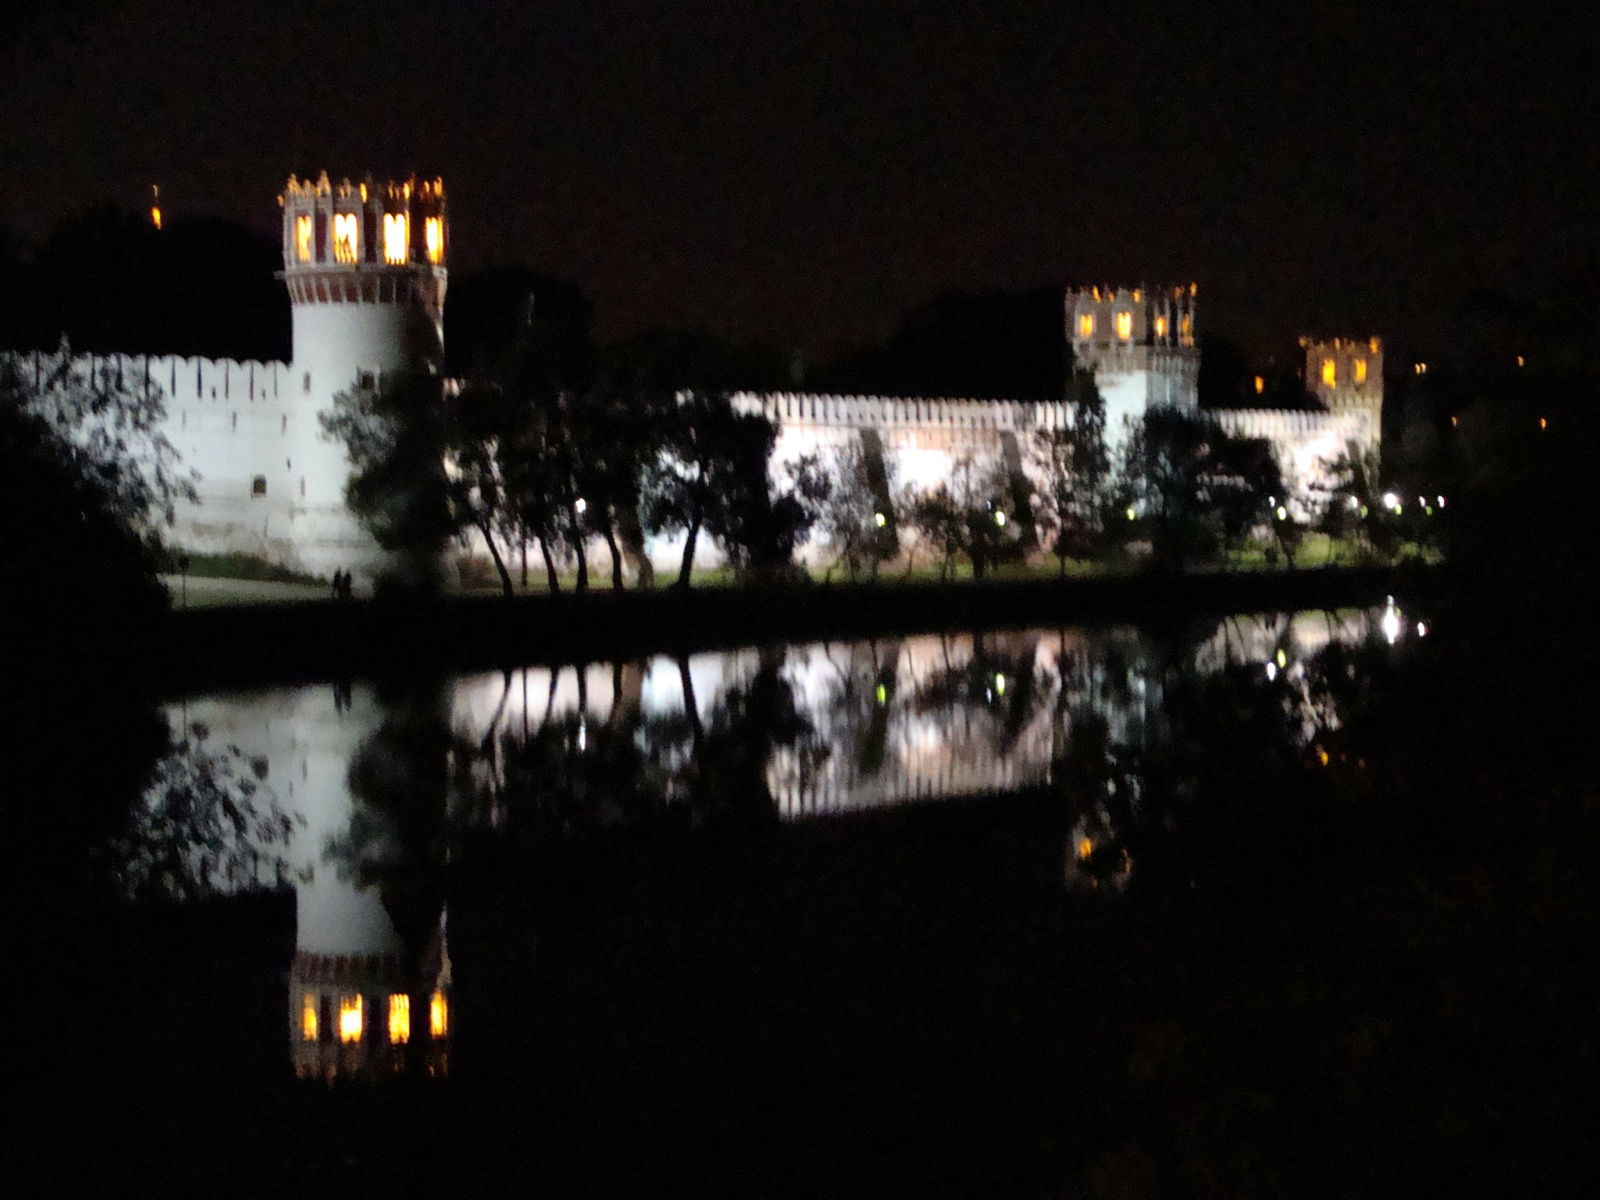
(1305, 442)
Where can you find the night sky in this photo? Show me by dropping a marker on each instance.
(803, 172)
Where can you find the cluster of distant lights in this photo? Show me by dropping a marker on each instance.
(1395, 503)
(1393, 625)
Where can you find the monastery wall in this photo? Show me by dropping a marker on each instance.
(1305, 442)
(231, 422)
(921, 437)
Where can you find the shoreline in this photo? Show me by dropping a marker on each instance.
(242, 646)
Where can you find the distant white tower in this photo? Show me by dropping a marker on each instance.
(364, 265)
(1140, 344)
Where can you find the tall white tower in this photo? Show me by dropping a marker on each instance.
(364, 265)
(1140, 344)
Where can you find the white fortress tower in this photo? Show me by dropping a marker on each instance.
(1140, 345)
(364, 265)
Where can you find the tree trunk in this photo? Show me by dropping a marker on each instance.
(616, 557)
(578, 546)
(549, 566)
(633, 542)
(688, 553)
(494, 553)
(691, 710)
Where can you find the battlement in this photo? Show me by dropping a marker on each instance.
(793, 409)
(181, 378)
(1104, 319)
(365, 225)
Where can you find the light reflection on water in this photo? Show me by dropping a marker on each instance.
(384, 783)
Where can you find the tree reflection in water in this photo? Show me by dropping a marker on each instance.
(1152, 914)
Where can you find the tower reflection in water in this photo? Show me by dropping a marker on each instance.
(386, 783)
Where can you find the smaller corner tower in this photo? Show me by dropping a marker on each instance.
(1345, 373)
(1346, 376)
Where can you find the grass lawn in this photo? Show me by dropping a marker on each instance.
(237, 579)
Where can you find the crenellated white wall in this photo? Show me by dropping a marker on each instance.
(923, 436)
(1306, 442)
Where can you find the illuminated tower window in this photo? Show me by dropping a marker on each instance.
(302, 239)
(1261, 385)
(396, 237)
(308, 1017)
(399, 1019)
(438, 1015)
(433, 238)
(1124, 325)
(1360, 366)
(1330, 374)
(1186, 329)
(350, 1018)
(1086, 325)
(344, 237)
(1161, 327)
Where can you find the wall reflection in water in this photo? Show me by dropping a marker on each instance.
(387, 782)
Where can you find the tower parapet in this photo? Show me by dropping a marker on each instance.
(365, 243)
(1103, 321)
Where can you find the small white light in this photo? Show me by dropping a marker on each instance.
(1272, 671)
(1390, 624)
(1390, 500)
(879, 520)
(582, 506)
(999, 516)
(1422, 629)
(1283, 513)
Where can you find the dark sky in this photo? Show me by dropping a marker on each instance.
(803, 171)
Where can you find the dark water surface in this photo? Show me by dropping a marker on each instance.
(1266, 905)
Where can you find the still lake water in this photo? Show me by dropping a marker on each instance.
(1107, 910)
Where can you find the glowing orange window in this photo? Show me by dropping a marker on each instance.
(396, 237)
(399, 1019)
(350, 1019)
(344, 237)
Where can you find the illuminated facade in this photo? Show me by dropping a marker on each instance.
(364, 266)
